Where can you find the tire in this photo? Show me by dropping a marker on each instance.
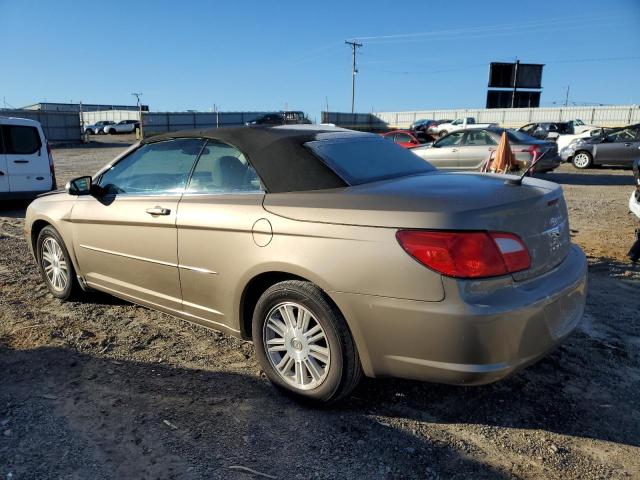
(55, 264)
(329, 351)
(442, 133)
(582, 160)
(112, 131)
(100, 132)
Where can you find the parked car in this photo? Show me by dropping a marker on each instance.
(422, 125)
(579, 126)
(564, 140)
(617, 148)
(26, 163)
(280, 118)
(470, 149)
(547, 130)
(336, 252)
(404, 138)
(634, 200)
(124, 126)
(443, 129)
(98, 127)
(432, 129)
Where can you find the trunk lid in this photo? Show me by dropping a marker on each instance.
(535, 211)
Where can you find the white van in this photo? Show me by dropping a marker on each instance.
(26, 164)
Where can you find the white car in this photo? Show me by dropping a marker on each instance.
(565, 140)
(125, 126)
(579, 126)
(26, 164)
(458, 124)
(634, 200)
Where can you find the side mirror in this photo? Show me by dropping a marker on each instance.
(79, 186)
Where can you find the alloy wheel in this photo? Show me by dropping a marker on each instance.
(54, 264)
(296, 345)
(581, 160)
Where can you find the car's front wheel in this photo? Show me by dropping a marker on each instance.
(55, 264)
(582, 160)
(443, 133)
(303, 343)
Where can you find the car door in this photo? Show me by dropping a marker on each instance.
(124, 235)
(27, 161)
(618, 148)
(475, 149)
(220, 221)
(444, 152)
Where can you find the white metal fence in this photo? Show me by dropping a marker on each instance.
(606, 116)
(161, 122)
(58, 126)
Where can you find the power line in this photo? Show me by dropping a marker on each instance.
(493, 28)
(354, 45)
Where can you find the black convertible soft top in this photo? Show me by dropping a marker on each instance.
(277, 153)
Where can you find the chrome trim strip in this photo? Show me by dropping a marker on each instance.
(198, 269)
(126, 255)
(151, 260)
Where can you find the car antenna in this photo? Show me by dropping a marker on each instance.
(518, 181)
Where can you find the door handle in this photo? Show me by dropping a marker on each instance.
(1, 173)
(158, 211)
(627, 144)
(454, 149)
(21, 161)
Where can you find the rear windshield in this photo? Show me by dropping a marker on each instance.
(365, 160)
(516, 136)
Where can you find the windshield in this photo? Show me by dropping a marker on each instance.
(365, 159)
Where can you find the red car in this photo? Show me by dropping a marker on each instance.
(404, 138)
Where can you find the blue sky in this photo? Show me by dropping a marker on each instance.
(265, 55)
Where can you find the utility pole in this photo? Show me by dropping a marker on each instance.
(354, 70)
(566, 98)
(138, 95)
(515, 84)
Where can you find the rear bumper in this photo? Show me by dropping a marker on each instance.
(547, 164)
(566, 154)
(482, 331)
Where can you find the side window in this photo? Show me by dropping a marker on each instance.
(160, 168)
(450, 140)
(21, 140)
(402, 138)
(389, 137)
(223, 169)
(478, 138)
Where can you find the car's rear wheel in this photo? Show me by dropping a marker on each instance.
(112, 131)
(55, 264)
(582, 160)
(303, 343)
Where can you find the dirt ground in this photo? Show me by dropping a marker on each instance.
(102, 389)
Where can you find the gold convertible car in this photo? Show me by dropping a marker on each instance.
(337, 252)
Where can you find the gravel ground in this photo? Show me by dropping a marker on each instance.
(103, 389)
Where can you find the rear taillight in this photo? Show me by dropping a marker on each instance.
(466, 254)
(533, 150)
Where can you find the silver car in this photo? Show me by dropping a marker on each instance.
(470, 149)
